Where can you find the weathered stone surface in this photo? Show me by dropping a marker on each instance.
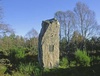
(48, 55)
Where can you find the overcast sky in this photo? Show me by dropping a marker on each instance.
(23, 15)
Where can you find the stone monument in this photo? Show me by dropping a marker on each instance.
(48, 53)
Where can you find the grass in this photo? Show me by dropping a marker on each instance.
(14, 74)
(2, 69)
(31, 68)
(74, 71)
(70, 71)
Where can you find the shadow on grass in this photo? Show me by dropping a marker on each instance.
(75, 71)
(93, 70)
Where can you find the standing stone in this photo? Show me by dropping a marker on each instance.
(48, 55)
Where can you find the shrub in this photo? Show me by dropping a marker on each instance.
(19, 74)
(29, 68)
(2, 69)
(20, 53)
(95, 60)
(17, 53)
(64, 62)
(82, 58)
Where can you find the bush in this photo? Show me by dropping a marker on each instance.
(64, 62)
(29, 69)
(95, 60)
(17, 53)
(26, 68)
(19, 74)
(20, 53)
(2, 69)
(82, 58)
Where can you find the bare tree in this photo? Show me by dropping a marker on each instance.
(85, 19)
(4, 28)
(66, 20)
(69, 22)
(59, 17)
(32, 33)
(1, 13)
(32, 38)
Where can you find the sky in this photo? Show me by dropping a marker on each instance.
(23, 15)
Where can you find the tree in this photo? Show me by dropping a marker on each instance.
(5, 32)
(1, 14)
(85, 19)
(66, 20)
(59, 17)
(32, 40)
(77, 40)
(4, 28)
(69, 23)
(32, 33)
